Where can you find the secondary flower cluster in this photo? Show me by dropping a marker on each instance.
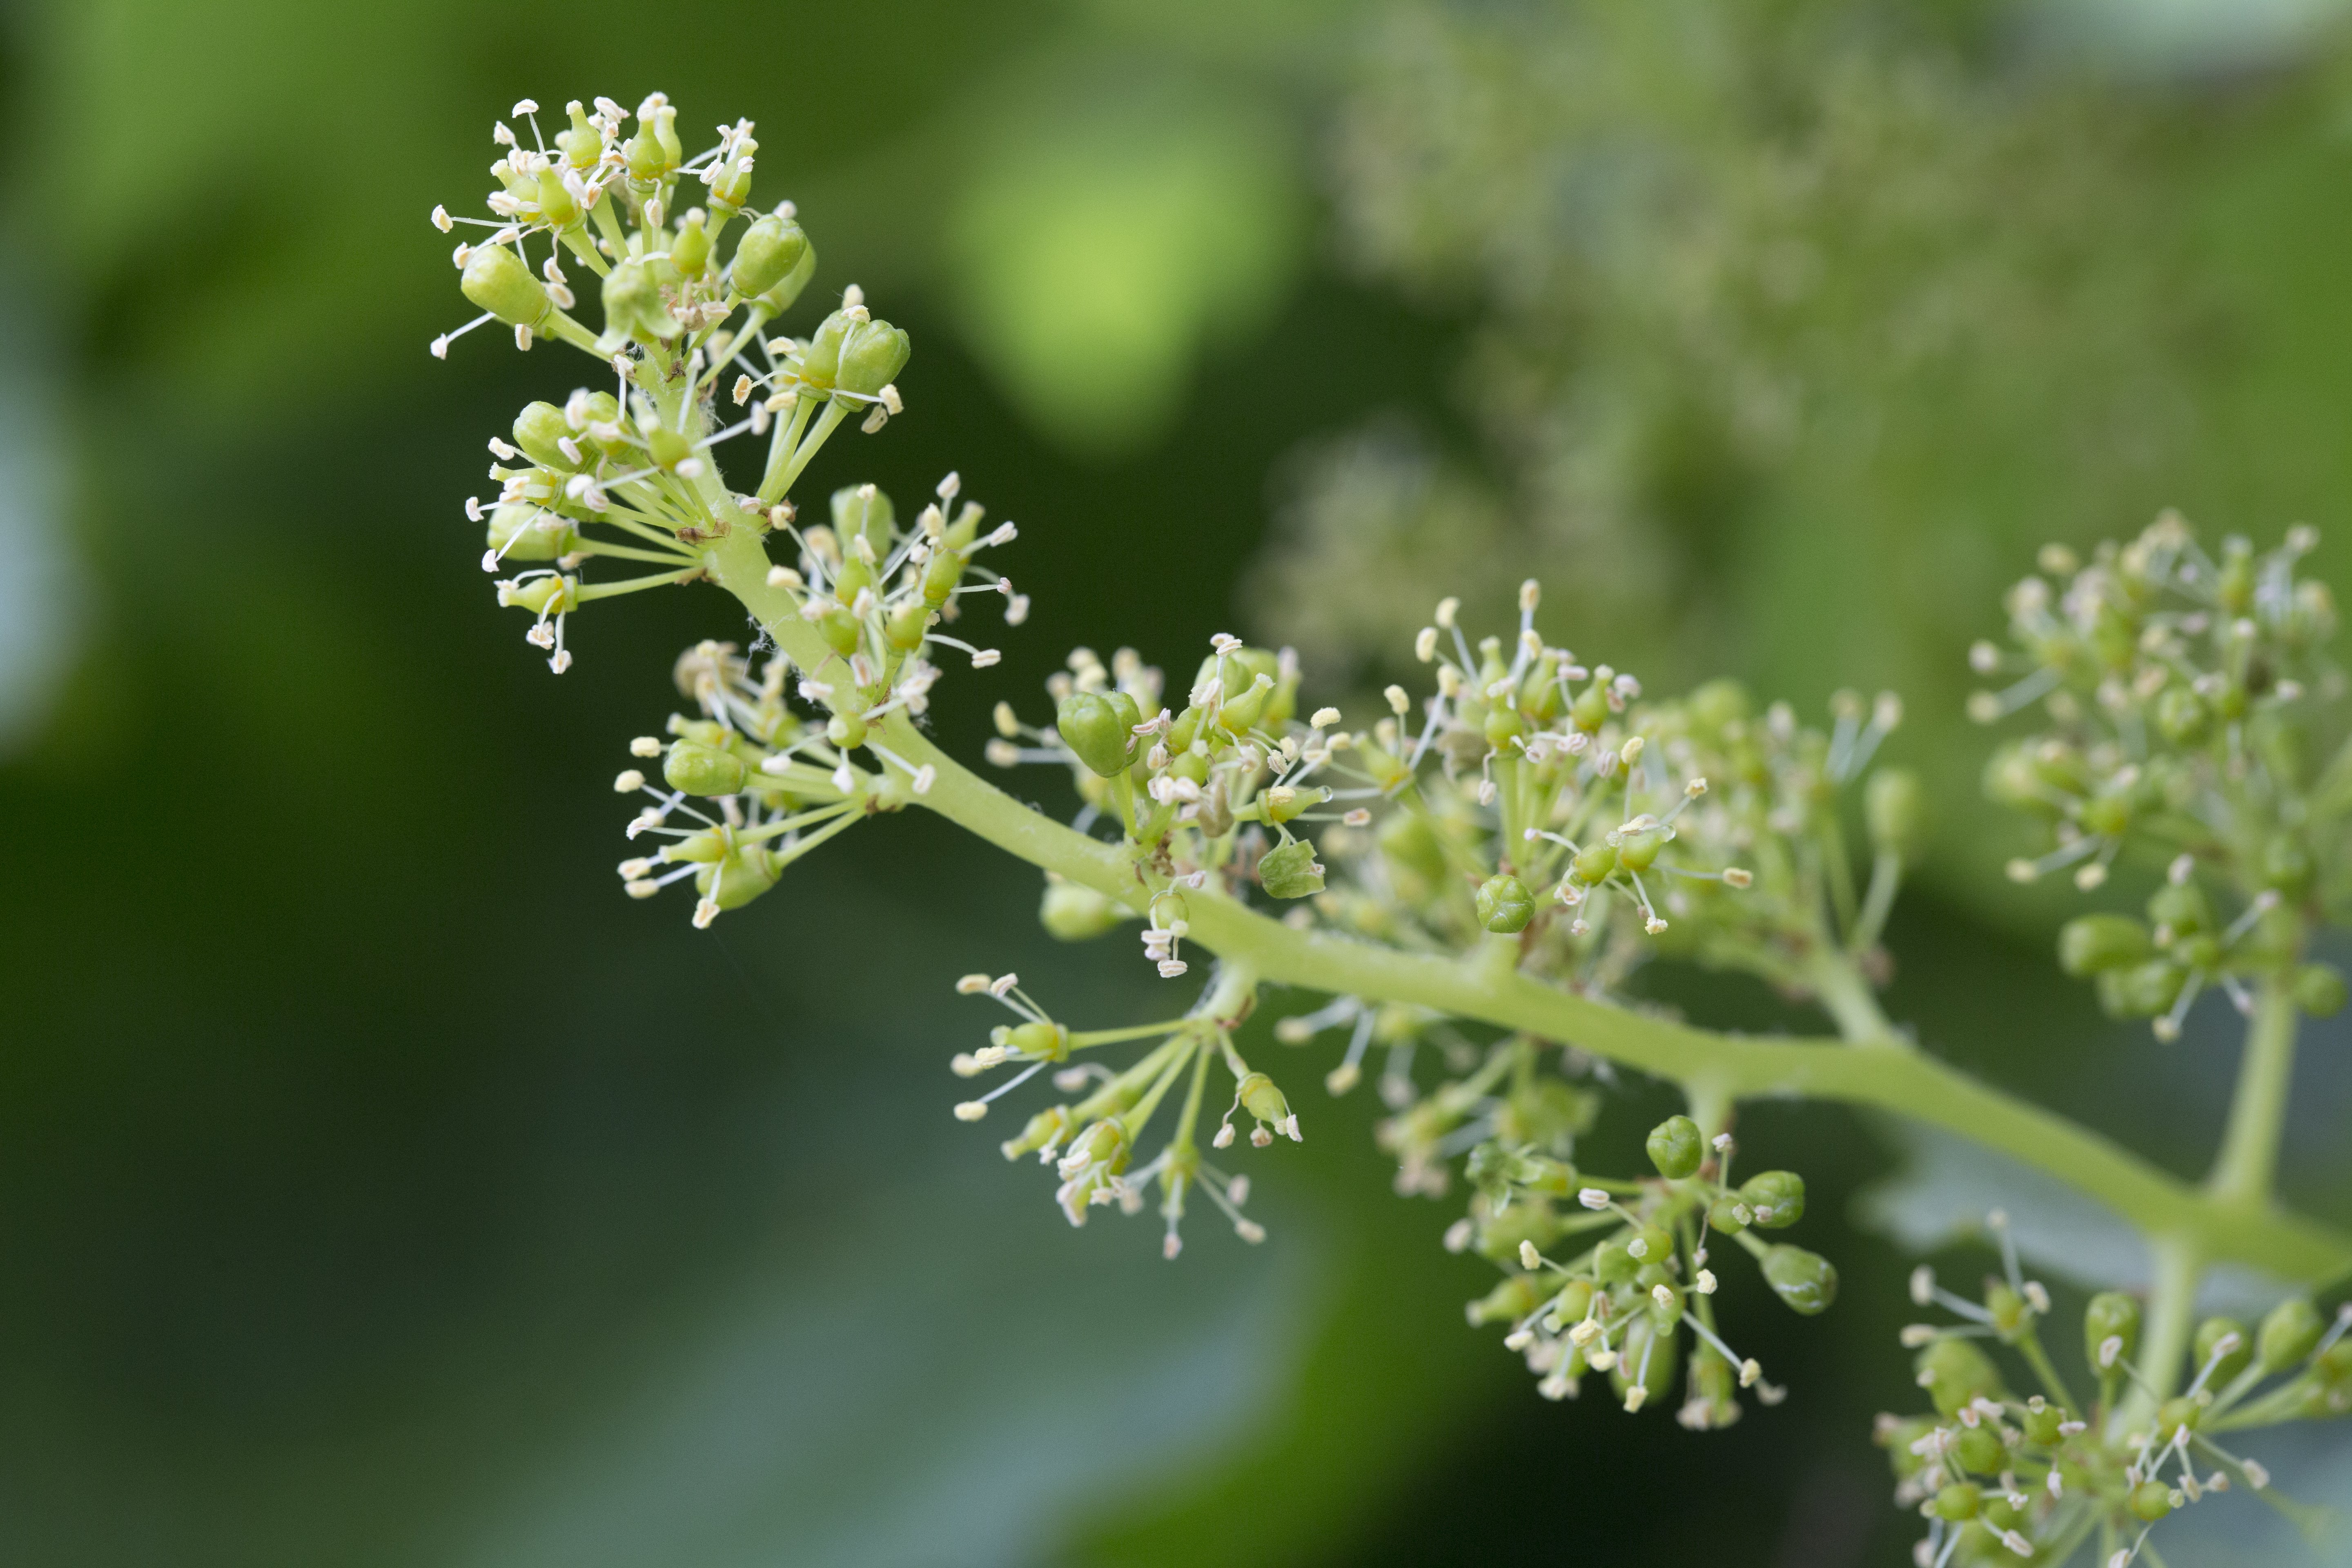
(1534, 798)
(1195, 792)
(782, 784)
(1091, 1141)
(1606, 1276)
(638, 461)
(2179, 691)
(2001, 1478)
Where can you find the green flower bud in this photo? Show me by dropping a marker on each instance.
(2180, 907)
(1675, 1147)
(1979, 1451)
(844, 731)
(1728, 1215)
(1649, 1246)
(1590, 708)
(602, 408)
(2210, 1333)
(2089, 944)
(1289, 871)
(1073, 912)
(864, 509)
(2111, 1315)
(581, 145)
(520, 532)
(2042, 1420)
(2142, 991)
(2319, 990)
(1593, 866)
(2289, 1333)
(1612, 1263)
(634, 307)
(2108, 815)
(941, 575)
(739, 878)
(1240, 712)
(1648, 1359)
(1954, 1371)
(821, 361)
(1958, 1501)
(537, 429)
(872, 355)
(704, 770)
(496, 281)
(1261, 1099)
(2151, 1500)
(1894, 805)
(1805, 1280)
(1575, 1299)
(1637, 851)
(542, 595)
(556, 202)
(1777, 1198)
(1095, 729)
(1508, 1303)
(2286, 865)
(730, 188)
(840, 630)
(1505, 905)
(907, 625)
(1045, 1130)
(2175, 1413)
(689, 252)
(1039, 1042)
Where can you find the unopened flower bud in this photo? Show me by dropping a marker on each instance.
(1505, 905)
(1954, 1372)
(1776, 1199)
(872, 355)
(1895, 806)
(1675, 1147)
(2290, 1333)
(634, 307)
(2110, 1315)
(2319, 990)
(689, 250)
(2224, 1342)
(768, 252)
(1099, 728)
(2091, 944)
(1805, 1280)
(497, 281)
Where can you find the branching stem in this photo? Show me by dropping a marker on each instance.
(2187, 1223)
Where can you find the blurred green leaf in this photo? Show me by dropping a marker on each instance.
(1104, 246)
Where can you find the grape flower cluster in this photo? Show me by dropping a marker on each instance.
(1527, 820)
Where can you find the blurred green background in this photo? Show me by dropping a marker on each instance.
(378, 1187)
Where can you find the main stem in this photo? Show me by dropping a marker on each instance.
(1712, 1067)
(2247, 1162)
(2240, 1179)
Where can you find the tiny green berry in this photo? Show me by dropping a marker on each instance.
(1675, 1147)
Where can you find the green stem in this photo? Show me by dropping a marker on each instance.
(1846, 996)
(2172, 1309)
(2247, 1162)
(1910, 1083)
